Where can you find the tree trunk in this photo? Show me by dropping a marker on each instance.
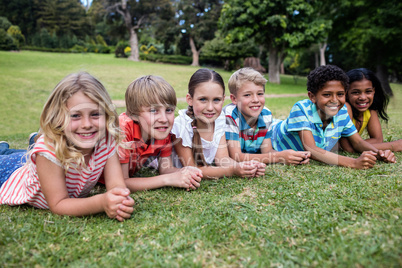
(195, 52)
(322, 48)
(316, 59)
(382, 74)
(135, 53)
(274, 65)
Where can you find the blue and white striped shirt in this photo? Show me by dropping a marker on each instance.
(304, 116)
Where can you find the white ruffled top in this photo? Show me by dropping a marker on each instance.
(183, 130)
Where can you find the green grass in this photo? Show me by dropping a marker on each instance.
(315, 215)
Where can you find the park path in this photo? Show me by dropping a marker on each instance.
(121, 103)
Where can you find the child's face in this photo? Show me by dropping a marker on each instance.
(361, 95)
(155, 122)
(87, 122)
(329, 100)
(207, 102)
(250, 100)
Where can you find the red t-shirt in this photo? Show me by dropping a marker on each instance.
(140, 153)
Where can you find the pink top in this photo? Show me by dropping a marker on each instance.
(23, 186)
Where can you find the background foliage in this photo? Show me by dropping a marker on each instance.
(300, 34)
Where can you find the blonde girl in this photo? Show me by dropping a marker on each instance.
(76, 144)
(199, 131)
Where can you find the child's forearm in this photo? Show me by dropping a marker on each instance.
(211, 172)
(362, 146)
(331, 158)
(167, 170)
(265, 158)
(147, 183)
(79, 206)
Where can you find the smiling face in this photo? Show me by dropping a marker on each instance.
(329, 99)
(250, 100)
(87, 124)
(207, 102)
(155, 121)
(361, 94)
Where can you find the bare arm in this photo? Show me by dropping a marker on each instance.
(374, 129)
(53, 185)
(187, 159)
(366, 160)
(268, 154)
(361, 145)
(188, 179)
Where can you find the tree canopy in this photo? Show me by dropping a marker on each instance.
(277, 25)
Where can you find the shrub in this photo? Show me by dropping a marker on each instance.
(174, 59)
(120, 51)
(15, 32)
(6, 41)
(4, 23)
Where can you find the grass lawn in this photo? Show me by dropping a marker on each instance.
(314, 215)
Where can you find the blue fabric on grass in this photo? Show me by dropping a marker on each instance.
(10, 163)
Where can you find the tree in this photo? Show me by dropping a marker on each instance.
(66, 17)
(368, 34)
(138, 14)
(274, 24)
(227, 53)
(23, 13)
(199, 20)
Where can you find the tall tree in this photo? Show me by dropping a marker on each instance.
(199, 20)
(274, 24)
(138, 14)
(66, 17)
(369, 34)
(22, 13)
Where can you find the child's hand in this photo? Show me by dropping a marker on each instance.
(260, 168)
(366, 160)
(245, 169)
(125, 209)
(249, 169)
(188, 177)
(291, 157)
(118, 204)
(387, 156)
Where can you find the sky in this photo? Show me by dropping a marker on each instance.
(85, 2)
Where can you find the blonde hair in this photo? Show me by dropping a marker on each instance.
(55, 115)
(147, 91)
(242, 75)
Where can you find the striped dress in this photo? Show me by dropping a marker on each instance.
(23, 186)
(304, 116)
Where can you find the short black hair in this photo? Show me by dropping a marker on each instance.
(317, 78)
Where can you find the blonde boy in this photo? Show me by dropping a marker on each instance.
(249, 122)
(149, 117)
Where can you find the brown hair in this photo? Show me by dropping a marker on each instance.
(146, 91)
(199, 77)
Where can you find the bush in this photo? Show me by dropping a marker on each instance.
(15, 32)
(120, 50)
(47, 49)
(4, 23)
(174, 59)
(78, 49)
(6, 41)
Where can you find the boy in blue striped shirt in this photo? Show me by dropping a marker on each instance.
(316, 124)
(249, 122)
